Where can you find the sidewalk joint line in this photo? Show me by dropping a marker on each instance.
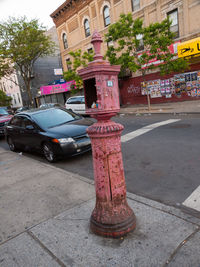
(46, 249)
(149, 205)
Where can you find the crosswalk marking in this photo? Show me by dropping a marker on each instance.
(193, 201)
(146, 129)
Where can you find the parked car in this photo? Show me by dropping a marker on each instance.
(21, 109)
(49, 105)
(76, 104)
(4, 119)
(55, 132)
(8, 110)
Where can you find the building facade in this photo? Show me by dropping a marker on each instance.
(11, 88)
(76, 20)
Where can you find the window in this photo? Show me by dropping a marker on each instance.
(135, 5)
(90, 50)
(87, 28)
(53, 117)
(16, 121)
(25, 122)
(139, 37)
(106, 15)
(76, 100)
(15, 102)
(65, 44)
(68, 63)
(18, 98)
(110, 43)
(173, 17)
(3, 111)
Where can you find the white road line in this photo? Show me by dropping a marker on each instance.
(146, 129)
(193, 201)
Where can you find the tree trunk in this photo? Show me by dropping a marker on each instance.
(148, 100)
(147, 91)
(28, 89)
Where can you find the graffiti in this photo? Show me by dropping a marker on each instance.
(134, 90)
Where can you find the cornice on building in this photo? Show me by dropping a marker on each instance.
(67, 10)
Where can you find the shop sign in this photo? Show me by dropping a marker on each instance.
(58, 72)
(56, 88)
(189, 48)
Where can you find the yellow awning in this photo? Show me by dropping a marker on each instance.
(189, 48)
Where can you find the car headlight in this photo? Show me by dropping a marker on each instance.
(66, 140)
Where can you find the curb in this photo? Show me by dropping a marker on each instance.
(159, 113)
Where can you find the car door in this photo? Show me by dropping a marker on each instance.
(13, 129)
(29, 133)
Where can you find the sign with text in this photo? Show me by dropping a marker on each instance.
(56, 88)
(189, 48)
(58, 72)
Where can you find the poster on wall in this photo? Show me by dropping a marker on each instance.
(167, 87)
(184, 83)
(143, 88)
(152, 88)
(155, 89)
(180, 84)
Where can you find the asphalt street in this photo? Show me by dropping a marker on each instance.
(161, 163)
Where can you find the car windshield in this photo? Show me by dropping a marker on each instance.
(54, 117)
(3, 111)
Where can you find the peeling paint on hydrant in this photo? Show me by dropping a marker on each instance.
(112, 216)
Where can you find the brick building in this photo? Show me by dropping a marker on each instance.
(76, 20)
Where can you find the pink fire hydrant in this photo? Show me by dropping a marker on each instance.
(112, 216)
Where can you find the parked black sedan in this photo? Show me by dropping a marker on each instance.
(55, 132)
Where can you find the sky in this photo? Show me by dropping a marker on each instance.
(32, 9)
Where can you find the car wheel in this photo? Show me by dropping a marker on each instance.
(48, 152)
(11, 144)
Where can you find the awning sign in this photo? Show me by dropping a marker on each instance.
(189, 48)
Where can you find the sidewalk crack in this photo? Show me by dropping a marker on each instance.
(180, 246)
(46, 249)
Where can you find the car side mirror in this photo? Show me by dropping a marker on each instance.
(30, 127)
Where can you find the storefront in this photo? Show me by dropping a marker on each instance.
(173, 87)
(56, 93)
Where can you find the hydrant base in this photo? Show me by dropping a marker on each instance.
(114, 230)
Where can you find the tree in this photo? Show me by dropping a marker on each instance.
(79, 60)
(22, 42)
(135, 47)
(4, 99)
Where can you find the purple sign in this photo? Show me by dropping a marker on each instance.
(56, 88)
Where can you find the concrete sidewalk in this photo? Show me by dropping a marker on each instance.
(44, 221)
(163, 108)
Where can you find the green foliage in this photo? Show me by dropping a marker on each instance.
(79, 60)
(22, 42)
(4, 99)
(156, 41)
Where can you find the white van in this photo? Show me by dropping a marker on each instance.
(76, 104)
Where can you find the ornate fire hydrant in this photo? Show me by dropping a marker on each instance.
(111, 217)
